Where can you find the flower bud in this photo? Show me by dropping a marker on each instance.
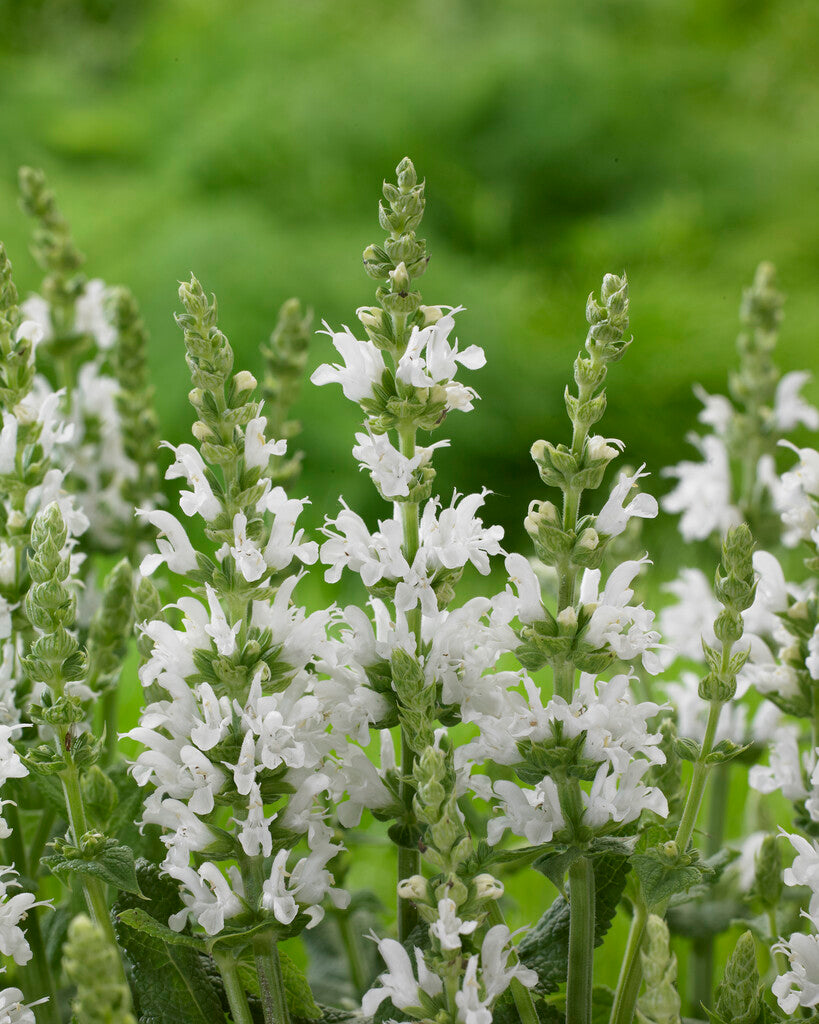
(413, 888)
(798, 610)
(567, 621)
(487, 887)
(588, 539)
(400, 279)
(244, 381)
(431, 314)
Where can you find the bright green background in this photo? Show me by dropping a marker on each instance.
(246, 141)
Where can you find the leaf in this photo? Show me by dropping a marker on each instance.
(111, 862)
(726, 751)
(142, 921)
(555, 863)
(546, 947)
(170, 981)
(661, 878)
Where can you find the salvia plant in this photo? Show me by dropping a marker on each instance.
(489, 725)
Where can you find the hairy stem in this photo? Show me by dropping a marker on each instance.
(581, 942)
(271, 982)
(631, 970)
(234, 989)
(409, 861)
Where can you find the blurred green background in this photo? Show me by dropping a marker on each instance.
(246, 141)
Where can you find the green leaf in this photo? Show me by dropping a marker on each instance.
(555, 863)
(546, 947)
(111, 862)
(142, 921)
(726, 751)
(170, 981)
(662, 877)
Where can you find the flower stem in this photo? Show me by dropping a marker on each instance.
(631, 971)
(349, 939)
(93, 888)
(523, 997)
(698, 780)
(409, 861)
(271, 982)
(581, 942)
(234, 990)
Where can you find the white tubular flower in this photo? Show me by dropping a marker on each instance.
(363, 366)
(790, 408)
(800, 985)
(614, 515)
(615, 726)
(13, 910)
(8, 443)
(621, 797)
(11, 767)
(361, 781)
(175, 549)
(391, 471)
(529, 606)
(258, 450)
(248, 558)
(804, 870)
(373, 557)
(717, 411)
(224, 636)
(687, 623)
(207, 895)
(457, 536)
(703, 491)
(532, 814)
(254, 831)
(189, 466)
(13, 1010)
(90, 316)
(496, 974)
(812, 660)
(472, 1007)
(786, 769)
(795, 495)
(449, 928)
(311, 879)
(430, 359)
(275, 894)
(286, 542)
(398, 982)
(624, 627)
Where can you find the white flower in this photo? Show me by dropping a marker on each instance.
(614, 516)
(207, 896)
(224, 636)
(430, 359)
(13, 910)
(11, 767)
(532, 814)
(472, 1008)
(621, 796)
(275, 895)
(372, 556)
(624, 627)
(254, 830)
(258, 450)
(529, 606)
(456, 536)
(812, 660)
(786, 770)
(248, 558)
(800, 985)
(717, 411)
(790, 409)
(285, 542)
(391, 471)
(176, 551)
(691, 620)
(189, 465)
(795, 493)
(13, 1010)
(804, 870)
(495, 972)
(703, 491)
(90, 316)
(398, 982)
(449, 928)
(363, 366)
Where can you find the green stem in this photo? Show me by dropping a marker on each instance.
(698, 780)
(41, 836)
(234, 989)
(581, 942)
(702, 949)
(271, 982)
(265, 949)
(93, 888)
(349, 939)
(523, 997)
(631, 970)
(409, 861)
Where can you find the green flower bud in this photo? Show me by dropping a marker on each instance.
(91, 965)
(660, 1002)
(768, 872)
(738, 994)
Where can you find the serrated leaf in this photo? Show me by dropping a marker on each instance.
(661, 879)
(555, 863)
(142, 921)
(112, 863)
